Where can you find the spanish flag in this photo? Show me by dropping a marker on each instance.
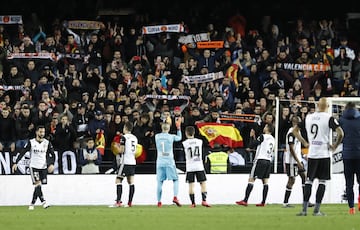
(140, 154)
(115, 144)
(100, 142)
(221, 133)
(232, 72)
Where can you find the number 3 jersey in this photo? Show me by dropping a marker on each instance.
(318, 126)
(193, 154)
(265, 149)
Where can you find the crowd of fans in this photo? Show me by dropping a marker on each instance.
(94, 81)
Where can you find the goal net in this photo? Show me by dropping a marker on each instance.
(336, 107)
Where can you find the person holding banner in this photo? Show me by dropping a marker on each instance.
(42, 160)
(350, 122)
(206, 59)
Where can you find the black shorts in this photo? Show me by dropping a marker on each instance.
(126, 170)
(292, 170)
(319, 168)
(261, 169)
(200, 176)
(38, 175)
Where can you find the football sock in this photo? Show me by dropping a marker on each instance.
(248, 190)
(320, 192)
(265, 192)
(131, 192)
(35, 194)
(192, 198)
(203, 196)
(287, 195)
(303, 189)
(307, 192)
(176, 187)
(159, 190)
(41, 196)
(118, 192)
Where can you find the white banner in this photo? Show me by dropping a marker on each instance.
(11, 19)
(203, 78)
(193, 38)
(175, 28)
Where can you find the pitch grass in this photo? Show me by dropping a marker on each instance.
(219, 217)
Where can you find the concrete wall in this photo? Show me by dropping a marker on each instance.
(100, 190)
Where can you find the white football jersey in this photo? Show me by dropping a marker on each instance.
(38, 151)
(265, 150)
(130, 141)
(291, 139)
(193, 154)
(318, 126)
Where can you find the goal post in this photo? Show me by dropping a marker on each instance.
(336, 107)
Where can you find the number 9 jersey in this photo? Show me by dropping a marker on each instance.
(318, 126)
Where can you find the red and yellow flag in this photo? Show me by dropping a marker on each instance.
(232, 72)
(221, 133)
(140, 155)
(100, 142)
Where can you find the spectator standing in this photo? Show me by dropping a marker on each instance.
(262, 163)
(90, 158)
(24, 128)
(193, 148)
(126, 163)
(165, 162)
(42, 115)
(341, 67)
(7, 131)
(42, 159)
(97, 124)
(64, 137)
(350, 123)
(318, 125)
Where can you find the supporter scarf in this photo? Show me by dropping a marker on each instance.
(304, 67)
(50, 56)
(84, 25)
(203, 78)
(11, 19)
(168, 97)
(13, 87)
(252, 118)
(175, 28)
(193, 38)
(210, 45)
